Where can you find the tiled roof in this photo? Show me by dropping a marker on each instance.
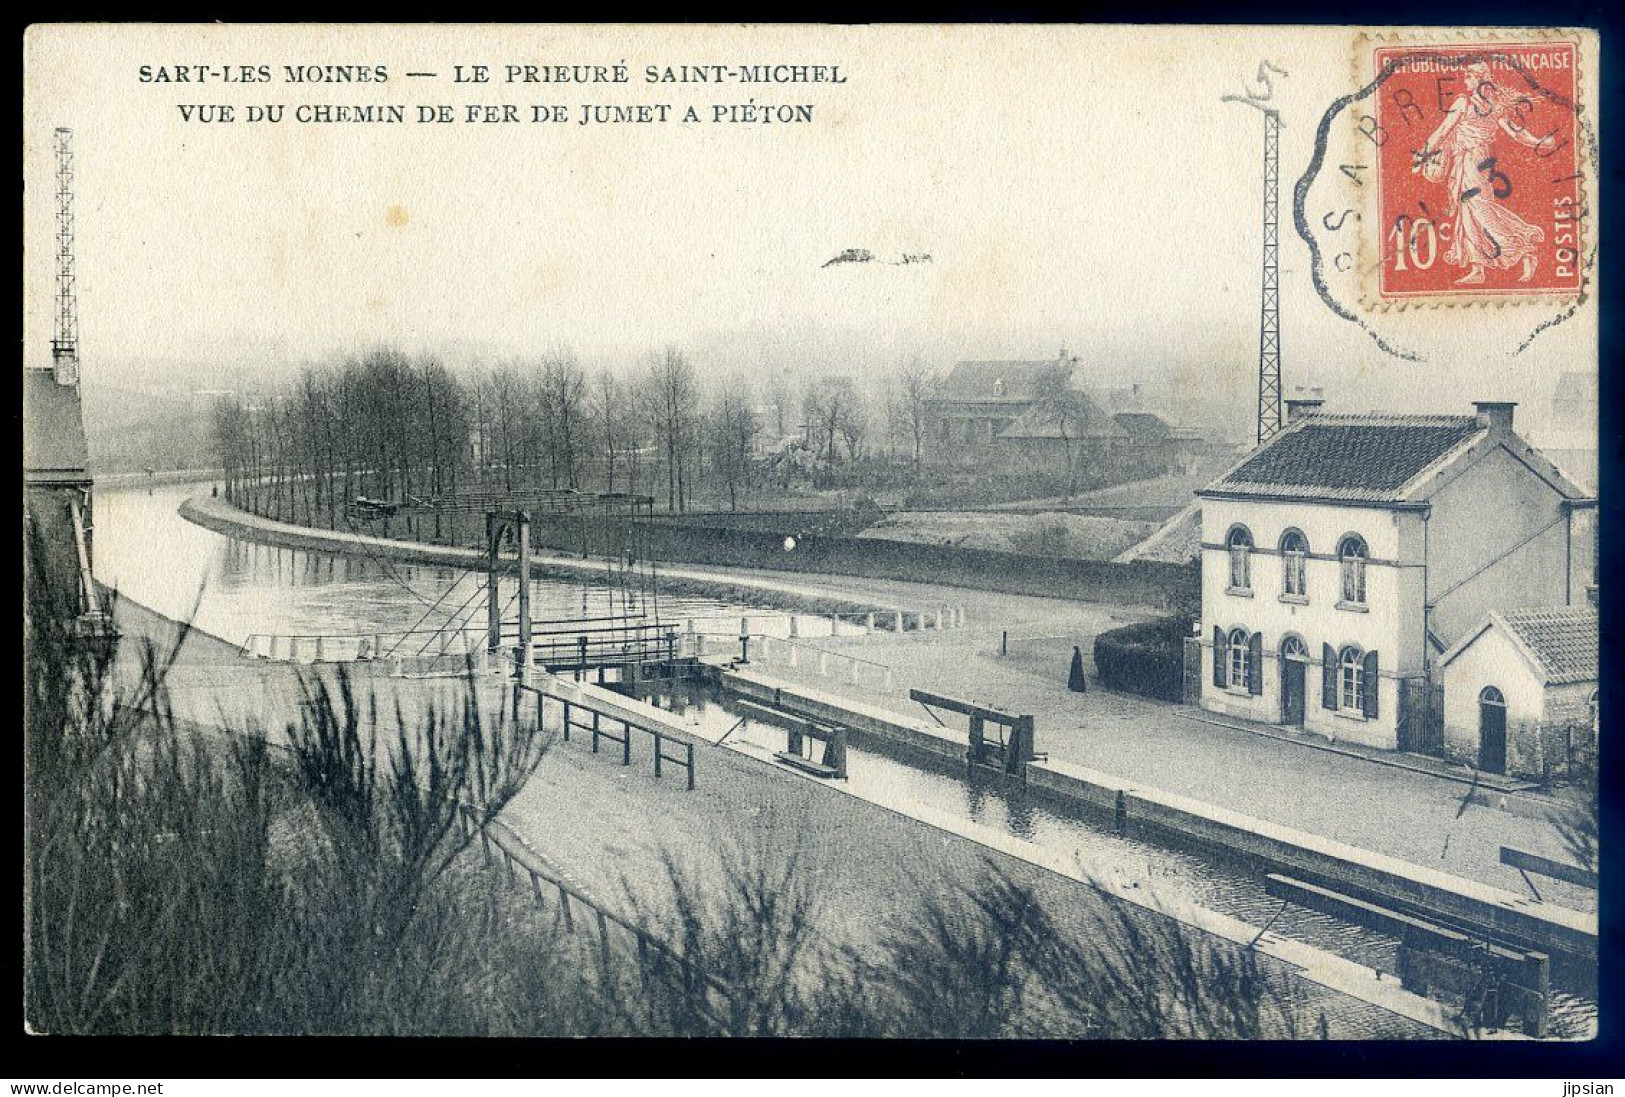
(980, 381)
(1563, 641)
(53, 429)
(1352, 458)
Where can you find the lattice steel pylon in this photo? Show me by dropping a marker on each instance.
(1269, 320)
(65, 330)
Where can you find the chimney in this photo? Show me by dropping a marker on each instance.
(1299, 407)
(1495, 414)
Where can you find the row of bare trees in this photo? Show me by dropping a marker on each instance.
(389, 427)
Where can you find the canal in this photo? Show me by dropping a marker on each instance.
(236, 589)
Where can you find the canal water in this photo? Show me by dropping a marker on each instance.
(235, 589)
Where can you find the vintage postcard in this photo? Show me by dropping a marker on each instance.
(962, 532)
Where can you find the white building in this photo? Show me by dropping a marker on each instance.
(1520, 692)
(1344, 555)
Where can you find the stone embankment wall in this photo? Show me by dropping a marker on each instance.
(1140, 582)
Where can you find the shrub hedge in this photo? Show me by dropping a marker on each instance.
(1147, 658)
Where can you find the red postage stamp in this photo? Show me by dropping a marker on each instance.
(1479, 185)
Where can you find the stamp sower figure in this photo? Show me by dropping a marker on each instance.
(1461, 154)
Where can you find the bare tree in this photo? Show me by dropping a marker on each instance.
(564, 394)
(855, 430)
(732, 430)
(608, 413)
(1065, 408)
(906, 409)
(670, 402)
(829, 406)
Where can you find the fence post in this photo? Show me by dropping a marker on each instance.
(1537, 984)
(658, 752)
(852, 676)
(793, 629)
(868, 624)
(320, 653)
(564, 909)
(626, 743)
(566, 720)
(690, 766)
(536, 887)
(898, 616)
(603, 944)
(595, 731)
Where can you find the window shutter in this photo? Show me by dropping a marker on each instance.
(1328, 677)
(1221, 655)
(1255, 664)
(1370, 684)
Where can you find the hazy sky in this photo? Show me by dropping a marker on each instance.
(1083, 186)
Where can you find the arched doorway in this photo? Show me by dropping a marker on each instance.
(1492, 730)
(1294, 661)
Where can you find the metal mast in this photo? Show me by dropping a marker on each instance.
(1269, 322)
(65, 333)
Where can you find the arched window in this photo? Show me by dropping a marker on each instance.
(1238, 657)
(1294, 551)
(1489, 695)
(1240, 543)
(1294, 648)
(1352, 555)
(1351, 683)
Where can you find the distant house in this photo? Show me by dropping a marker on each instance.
(1570, 437)
(1520, 692)
(1343, 556)
(970, 409)
(56, 478)
(993, 414)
